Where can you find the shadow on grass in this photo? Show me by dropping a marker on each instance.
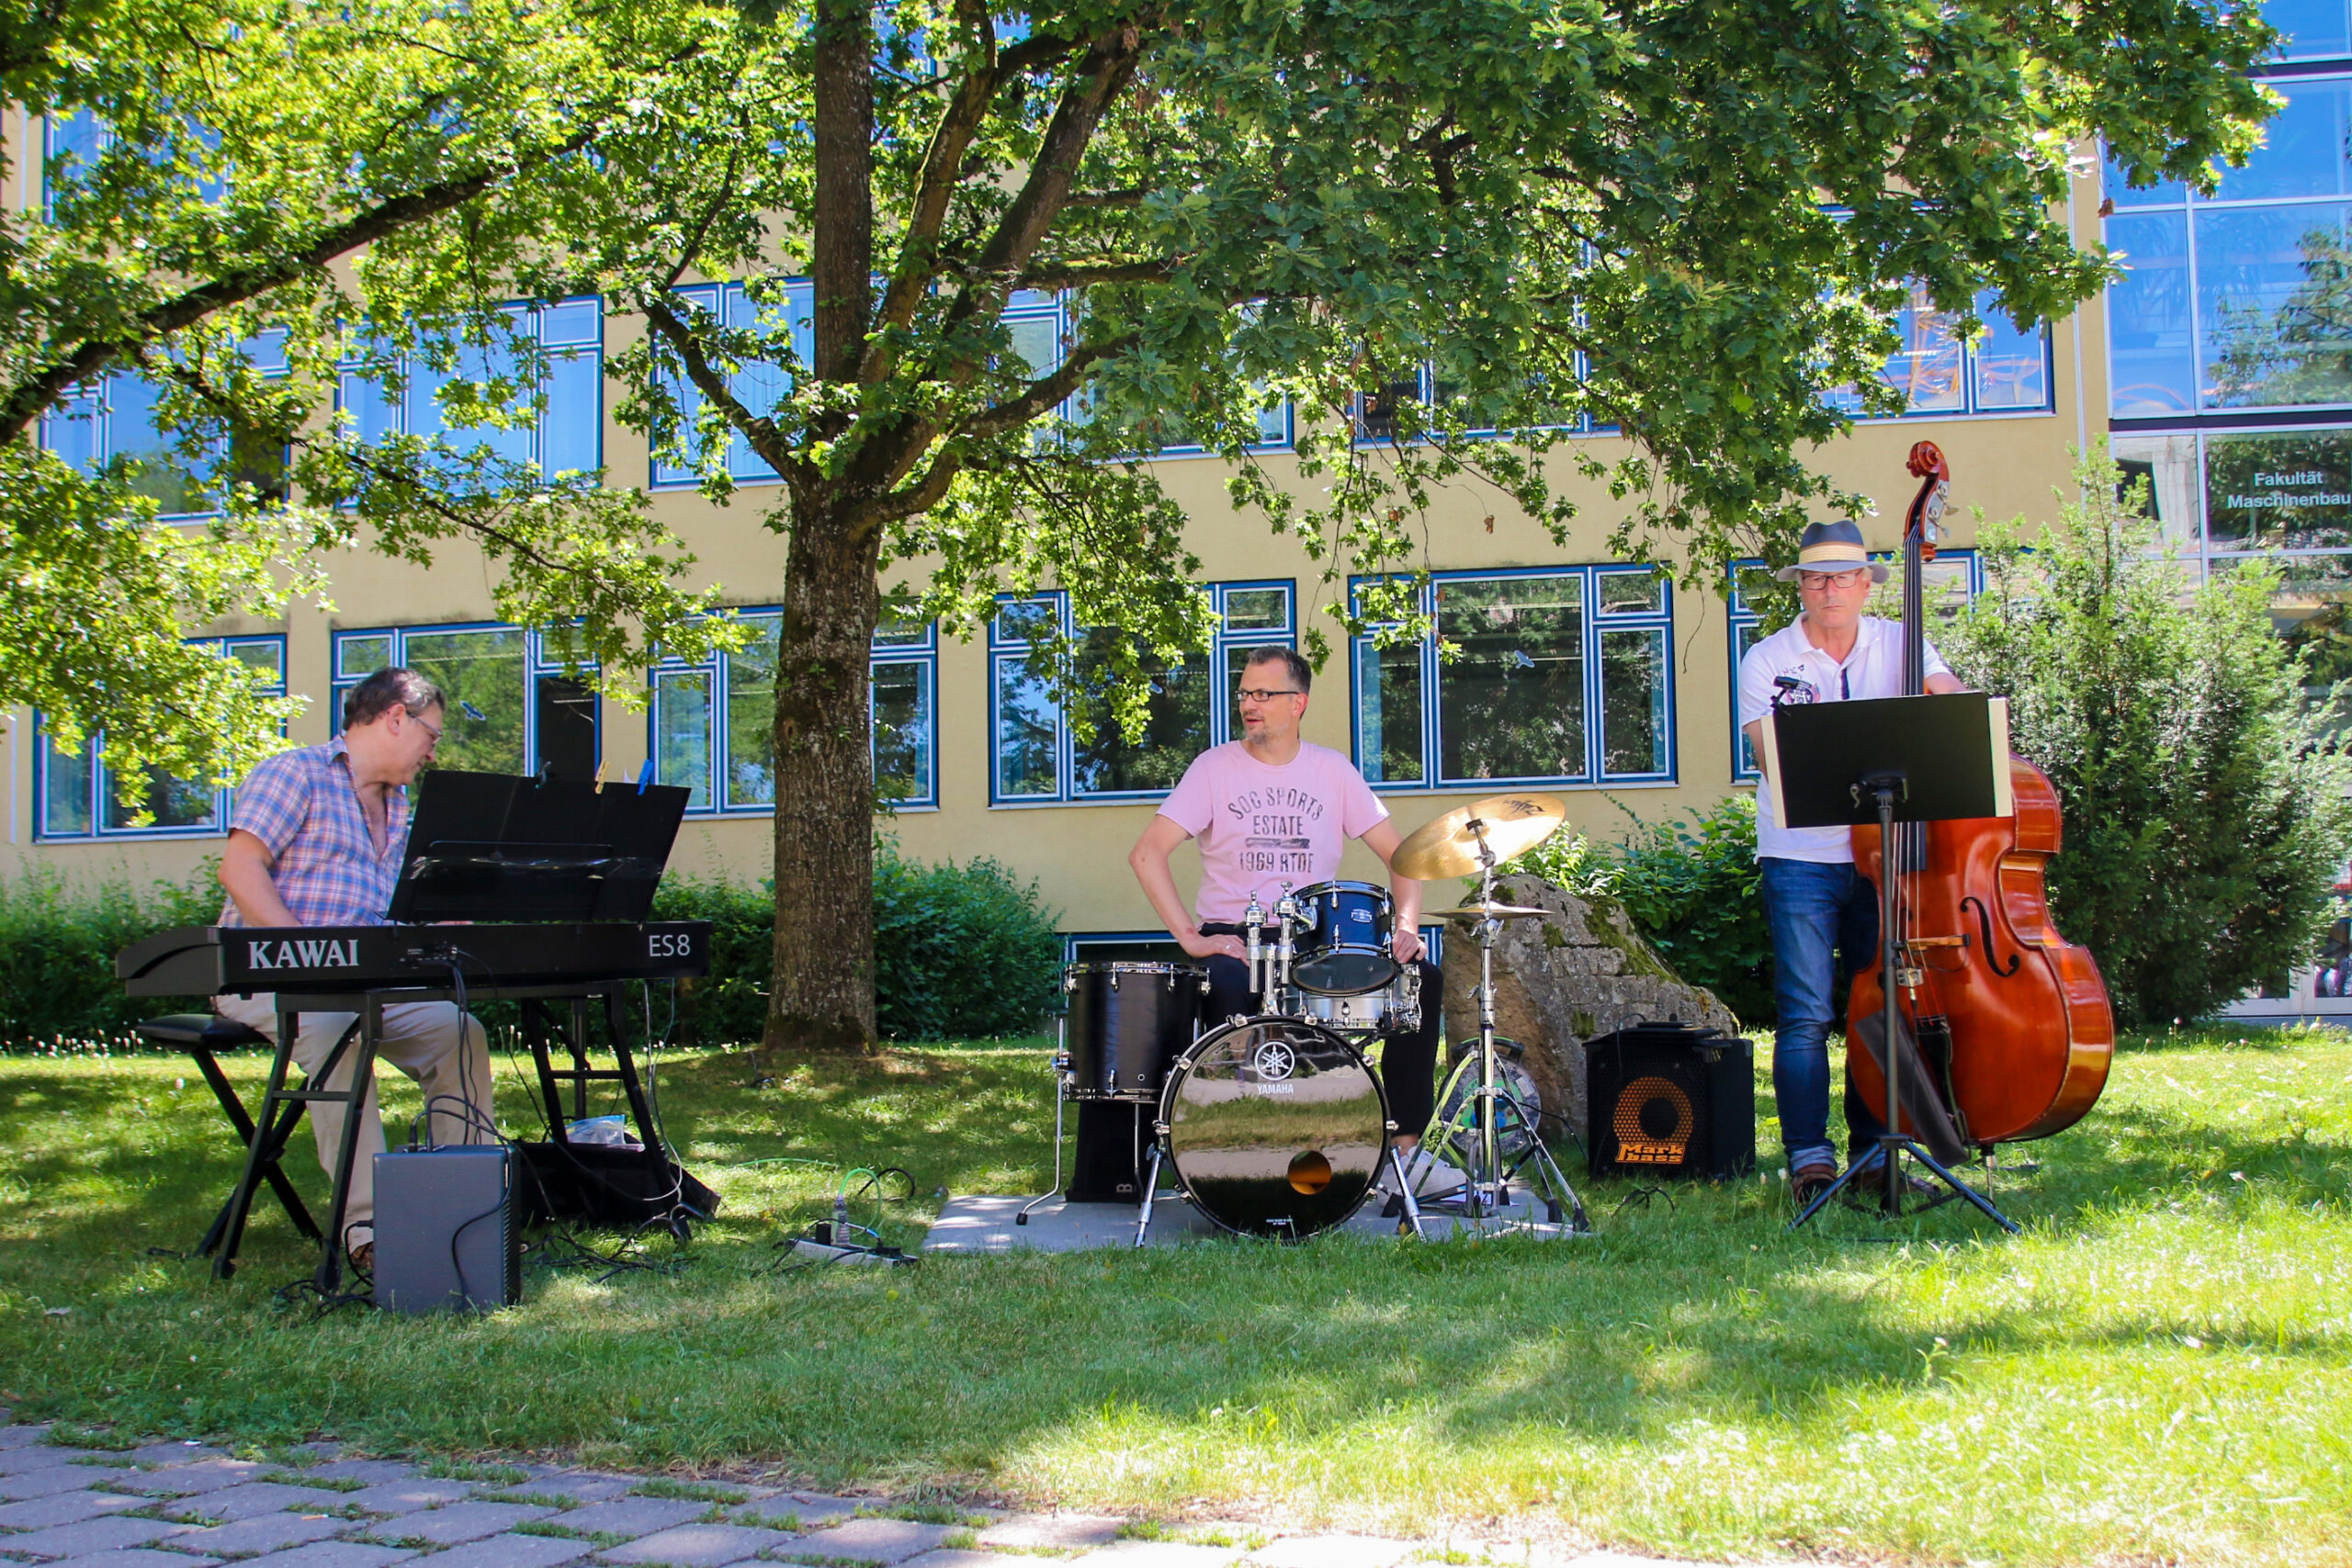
(1696, 1308)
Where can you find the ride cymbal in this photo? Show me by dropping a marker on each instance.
(1445, 846)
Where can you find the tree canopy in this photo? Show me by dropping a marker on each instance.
(1458, 237)
(216, 259)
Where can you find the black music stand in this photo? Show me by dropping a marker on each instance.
(502, 847)
(1890, 759)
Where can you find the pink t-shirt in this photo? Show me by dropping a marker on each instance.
(1262, 826)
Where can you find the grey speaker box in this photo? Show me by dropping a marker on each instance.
(447, 1230)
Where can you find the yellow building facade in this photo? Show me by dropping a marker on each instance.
(1624, 683)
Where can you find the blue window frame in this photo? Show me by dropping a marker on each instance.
(73, 142)
(2003, 370)
(1036, 757)
(113, 420)
(758, 386)
(1952, 579)
(1376, 413)
(75, 792)
(712, 723)
(2226, 301)
(511, 707)
(1563, 677)
(566, 437)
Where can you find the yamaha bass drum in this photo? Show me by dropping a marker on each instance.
(1274, 1127)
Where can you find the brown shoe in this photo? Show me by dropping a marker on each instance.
(1807, 1182)
(363, 1258)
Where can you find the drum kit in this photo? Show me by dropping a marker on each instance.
(1272, 1123)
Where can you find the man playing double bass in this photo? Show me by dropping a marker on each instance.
(1820, 908)
(1272, 810)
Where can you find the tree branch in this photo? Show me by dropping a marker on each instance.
(32, 397)
(758, 429)
(1109, 272)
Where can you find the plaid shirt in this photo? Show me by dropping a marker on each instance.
(304, 807)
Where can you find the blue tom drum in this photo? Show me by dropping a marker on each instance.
(1345, 949)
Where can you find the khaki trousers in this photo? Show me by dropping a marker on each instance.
(445, 1051)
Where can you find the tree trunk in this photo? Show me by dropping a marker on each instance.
(821, 997)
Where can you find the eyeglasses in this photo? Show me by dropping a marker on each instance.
(428, 727)
(1247, 695)
(1821, 582)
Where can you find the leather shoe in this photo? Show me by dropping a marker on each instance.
(1809, 1181)
(363, 1258)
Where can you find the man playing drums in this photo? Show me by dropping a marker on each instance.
(1272, 812)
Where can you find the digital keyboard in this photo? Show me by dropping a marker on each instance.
(195, 961)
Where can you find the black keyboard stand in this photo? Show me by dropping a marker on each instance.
(281, 1107)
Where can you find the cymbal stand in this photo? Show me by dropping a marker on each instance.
(1489, 1191)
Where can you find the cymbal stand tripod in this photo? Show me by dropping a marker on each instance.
(1487, 1191)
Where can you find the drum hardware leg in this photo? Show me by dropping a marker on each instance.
(1405, 1194)
(1550, 1179)
(1061, 1098)
(1151, 1190)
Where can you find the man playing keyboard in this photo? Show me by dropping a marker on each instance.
(317, 839)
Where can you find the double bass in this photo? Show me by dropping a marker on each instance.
(2011, 1020)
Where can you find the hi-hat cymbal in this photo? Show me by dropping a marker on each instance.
(1474, 912)
(1445, 846)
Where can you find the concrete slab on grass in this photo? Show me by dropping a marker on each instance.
(141, 1557)
(1329, 1552)
(514, 1552)
(984, 1224)
(1053, 1532)
(699, 1546)
(248, 1501)
(461, 1522)
(333, 1554)
(1161, 1555)
(872, 1540)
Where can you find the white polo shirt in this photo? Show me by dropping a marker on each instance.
(1874, 668)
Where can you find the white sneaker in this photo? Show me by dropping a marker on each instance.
(1433, 1177)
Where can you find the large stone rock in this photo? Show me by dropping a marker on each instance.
(1579, 972)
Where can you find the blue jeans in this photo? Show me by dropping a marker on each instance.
(1824, 919)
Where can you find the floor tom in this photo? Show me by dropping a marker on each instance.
(1127, 1023)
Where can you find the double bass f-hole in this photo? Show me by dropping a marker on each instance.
(1985, 920)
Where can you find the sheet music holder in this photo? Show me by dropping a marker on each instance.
(1888, 761)
(504, 847)
(1952, 752)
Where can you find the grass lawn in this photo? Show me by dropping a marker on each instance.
(2155, 1372)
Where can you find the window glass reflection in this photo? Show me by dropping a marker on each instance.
(2274, 305)
(2302, 151)
(2151, 349)
(2315, 30)
(1511, 704)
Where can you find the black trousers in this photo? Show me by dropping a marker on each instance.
(1407, 1060)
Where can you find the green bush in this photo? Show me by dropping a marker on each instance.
(1691, 892)
(58, 941)
(961, 952)
(2202, 786)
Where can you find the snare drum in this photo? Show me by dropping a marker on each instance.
(1128, 1022)
(1395, 1008)
(1344, 950)
(1274, 1127)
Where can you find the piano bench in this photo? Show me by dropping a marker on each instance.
(195, 1031)
(200, 1034)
